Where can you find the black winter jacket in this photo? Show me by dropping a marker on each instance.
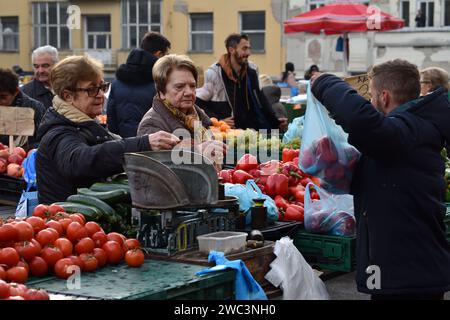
(73, 156)
(36, 90)
(398, 188)
(131, 94)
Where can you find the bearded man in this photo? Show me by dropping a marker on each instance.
(231, 90)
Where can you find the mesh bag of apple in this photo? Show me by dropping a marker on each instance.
(325, 151)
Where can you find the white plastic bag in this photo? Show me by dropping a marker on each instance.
(295, 276)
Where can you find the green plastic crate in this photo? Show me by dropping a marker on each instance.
(327, 252)
(154, 280)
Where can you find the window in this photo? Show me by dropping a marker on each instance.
(50, 24)
(139, 17)
(98, 33)
(254, 25)
(9, 33)
(427, 8)
(314, 4)
(201, 36)
(404, 11)
(446, 9)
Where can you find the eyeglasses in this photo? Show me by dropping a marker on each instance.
(93, 91)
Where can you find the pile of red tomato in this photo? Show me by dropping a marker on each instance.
(18, 291)
(281, 180)
(52, 240)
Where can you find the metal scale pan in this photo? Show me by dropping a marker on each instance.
(156, 182)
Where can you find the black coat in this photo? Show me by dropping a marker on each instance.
(22, 100)
(131, 94)
(73, 156)
(36, 90)
(398, 187)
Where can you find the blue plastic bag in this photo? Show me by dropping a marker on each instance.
(246, 193)
(295, 130)
(29, 166)
(333, 214)
(325, 152)
(246, 286)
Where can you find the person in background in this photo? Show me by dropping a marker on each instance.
(272, 93)
(398, 185)
(420, 19)
(433, 78)
(288, 79)
(313, 70)
(132, 92)
(43, 59)
(75, 150)
(11, 96)
(174, 105)
(231, 91)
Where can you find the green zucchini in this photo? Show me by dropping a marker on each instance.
(104, 186)
(110, 197)
(92, 201)
(90, 213)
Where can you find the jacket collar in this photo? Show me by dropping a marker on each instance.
(70, 112)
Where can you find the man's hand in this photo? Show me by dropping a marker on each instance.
(283, 124)
(229, 121)
(162, 140)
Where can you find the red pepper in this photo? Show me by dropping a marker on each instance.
(281, 203)
(298, 193)
(240, 176)
(270, 167)
(277, 184)
(326, 150)
(289, 154)
(247, 162)
(255, 173)
(227, 175)
(292, 172)
(294, 213)
(295, 161)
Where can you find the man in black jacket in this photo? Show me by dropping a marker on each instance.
(11, 96)
(231, 90)
(398, 186)
(43, 59)
(132, 93)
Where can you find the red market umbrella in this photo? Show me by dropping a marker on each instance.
(342, 18)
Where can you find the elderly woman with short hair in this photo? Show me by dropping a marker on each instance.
(173, 109)
(431, 78)
(75, 150)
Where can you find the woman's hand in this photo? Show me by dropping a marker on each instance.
(213, 150)
(162, 140)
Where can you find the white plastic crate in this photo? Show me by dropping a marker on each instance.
(224, 241)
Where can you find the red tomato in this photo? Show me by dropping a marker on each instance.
(17, 274)
(65, 246)
(85, 245)
(37, 246)
(22, 263)
(41, 210)
(46, 237)
(55, 225)
(8, 233)
(26, 249)
(76, 231)
(117, 237)
(78, 217)
(54, 209)
(92, 227)
(65, 223)
(131, 244)
(101, 256)
(62, 269)
(134, 258)
(4, 289)
(77, 261)
(9, 257)
(35, 294)
(99, 238)
(90, 263)
(25, 231)
(37, 223)
(113, 251)
(17, 289)
(15, 298)
(38, 267)
(51, 255)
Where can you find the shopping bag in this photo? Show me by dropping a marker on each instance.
(333, 214)
(325, 152)
(295, 129)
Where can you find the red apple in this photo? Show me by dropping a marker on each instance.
(3, 165)
(4, 153)
(14, 170)
(20, 151)
(15, 158)
(2, 146)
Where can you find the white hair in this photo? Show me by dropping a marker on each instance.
(46, 50)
